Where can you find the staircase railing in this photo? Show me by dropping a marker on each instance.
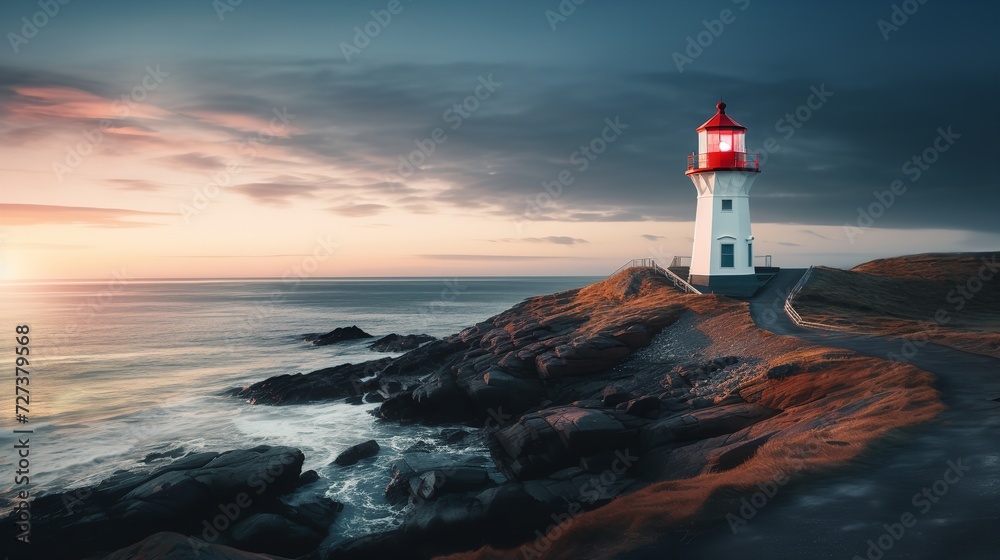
(677, 281)
(794, 315)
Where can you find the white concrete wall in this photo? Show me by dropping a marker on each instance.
(713, 227)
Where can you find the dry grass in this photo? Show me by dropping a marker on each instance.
(916, 297)
(840, 397)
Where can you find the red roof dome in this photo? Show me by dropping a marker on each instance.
(721, 120)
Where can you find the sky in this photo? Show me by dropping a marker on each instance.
(266, 138)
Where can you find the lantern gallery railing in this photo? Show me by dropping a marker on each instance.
(724, 160)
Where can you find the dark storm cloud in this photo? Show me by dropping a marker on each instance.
(820, 164)
(816, 170)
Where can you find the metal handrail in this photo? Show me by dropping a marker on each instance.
(700, 161)
(677, 281)
(794, 315)
(679, 262)
(767, 259)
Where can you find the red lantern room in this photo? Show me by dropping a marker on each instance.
(722, 146)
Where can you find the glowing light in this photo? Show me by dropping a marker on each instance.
(724, 146)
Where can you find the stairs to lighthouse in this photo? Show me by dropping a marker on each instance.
(650, 264)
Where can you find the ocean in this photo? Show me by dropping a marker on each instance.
(125, 368)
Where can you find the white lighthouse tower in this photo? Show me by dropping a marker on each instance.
(722, 258)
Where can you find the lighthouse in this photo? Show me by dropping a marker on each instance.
(722, 258)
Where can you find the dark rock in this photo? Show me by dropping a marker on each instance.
(612, 396)
(703, 424)
(420, 447)
(355, 453)
(399, 343)
(338, 334)
(177, 497)
(174, 546)
(646, 407)
(544, 442)
(331, 383)
(397, 407)
(308, 478)
(452, 473)
(274, 534)
(454, 436)
(783, 371)
(172, 454)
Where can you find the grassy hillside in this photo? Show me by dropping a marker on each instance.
(950, 299)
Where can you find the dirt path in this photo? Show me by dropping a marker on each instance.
(835, 515)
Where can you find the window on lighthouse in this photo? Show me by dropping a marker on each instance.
(727, 205)
(728, 256)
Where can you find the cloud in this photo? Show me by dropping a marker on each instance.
(458, 257)
(358, 210)
(40, 214)
(136, 185)
(194, 160)
(44, 246)
(554, 239)
(357, 122)
(277, 193)
(652, 237)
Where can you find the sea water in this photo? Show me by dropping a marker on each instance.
(122, 369)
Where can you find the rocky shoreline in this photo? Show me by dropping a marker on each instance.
(625, 397)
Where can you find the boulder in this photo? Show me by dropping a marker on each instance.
(274, 534)
(181, 497)
(337, 382)
(399, 343)
(174, 546)
(339, 334)
(355, 453)
(426, 475)
(553, 439)
(783, 371)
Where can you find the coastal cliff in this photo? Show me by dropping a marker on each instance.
(613, 413)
